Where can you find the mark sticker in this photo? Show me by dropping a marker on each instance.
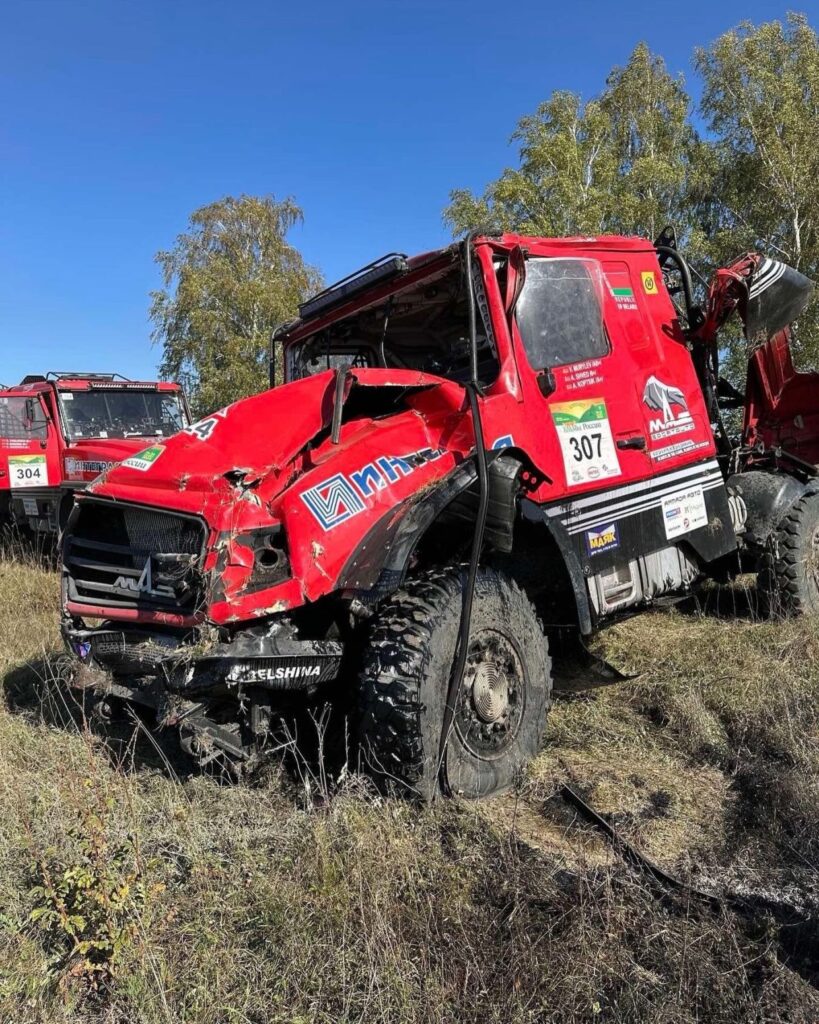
(683, 512)
(145, 459)
(605, 539)
(585, 438)
(28, 471)
(649, 282)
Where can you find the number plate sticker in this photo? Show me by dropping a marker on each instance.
(28, 471)
(585, 441)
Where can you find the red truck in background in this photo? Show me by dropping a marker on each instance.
(60, 431)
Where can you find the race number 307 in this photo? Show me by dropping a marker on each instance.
(586, 443)
(28, 471)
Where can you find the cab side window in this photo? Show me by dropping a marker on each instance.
(559, 312)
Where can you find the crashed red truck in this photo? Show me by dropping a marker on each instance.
(59, 431)
(475, 451)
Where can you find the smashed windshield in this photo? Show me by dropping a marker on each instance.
(22, 419)
(114, 413)
(424, 327)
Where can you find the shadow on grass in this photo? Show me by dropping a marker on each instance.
(311, 744)
(738, 600)
(40, 690)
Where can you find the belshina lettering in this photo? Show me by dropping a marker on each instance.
(342, 496)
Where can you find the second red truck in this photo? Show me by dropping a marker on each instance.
(60, 431)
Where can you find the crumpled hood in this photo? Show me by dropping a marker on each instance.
(255, 439)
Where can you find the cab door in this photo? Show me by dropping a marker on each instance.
(663, 383)
(589, 432)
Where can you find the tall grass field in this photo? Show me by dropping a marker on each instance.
(133, 891)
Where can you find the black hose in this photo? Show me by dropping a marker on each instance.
(387, 314)
(685, 276)
(473, 390)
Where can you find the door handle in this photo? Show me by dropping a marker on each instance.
(637, 443)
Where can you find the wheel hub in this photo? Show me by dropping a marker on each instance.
(490, 692)
(492, 700)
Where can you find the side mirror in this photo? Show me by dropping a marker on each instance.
(31, 410)
(546, 382)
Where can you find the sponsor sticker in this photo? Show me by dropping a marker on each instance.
(30, 506)
(342, 496)
(605, 539)
(28, 470)
(145, 459)
(683, 512)
(586, 442)
(671, 451)
(670, 409)
(274, 673)
(649, 282)
(79, 467)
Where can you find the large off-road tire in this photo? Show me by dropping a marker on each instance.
(501, 711)
(788, 580)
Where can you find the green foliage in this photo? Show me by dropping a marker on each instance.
(228, 282)
(623, 162)
(761, 99)
(87, 907)
(630, 160)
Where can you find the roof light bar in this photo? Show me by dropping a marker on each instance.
(119, 385)
(391, 265)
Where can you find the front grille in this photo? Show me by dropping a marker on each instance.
(126, 556)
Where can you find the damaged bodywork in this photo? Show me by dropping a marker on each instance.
(553, 406)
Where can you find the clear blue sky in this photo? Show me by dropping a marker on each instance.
(117, 119)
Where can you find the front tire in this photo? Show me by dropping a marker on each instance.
(501, 711)
(788, 580)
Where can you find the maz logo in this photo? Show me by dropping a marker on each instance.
(144, 585)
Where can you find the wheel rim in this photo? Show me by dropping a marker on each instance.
(493, 696)
(813, 559)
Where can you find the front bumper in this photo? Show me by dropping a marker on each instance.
(184, 664)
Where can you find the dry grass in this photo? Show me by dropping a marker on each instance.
(244, 904)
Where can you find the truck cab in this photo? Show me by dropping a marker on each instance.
(60, 431)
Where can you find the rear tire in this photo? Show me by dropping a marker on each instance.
(501, 712)
(788, 580)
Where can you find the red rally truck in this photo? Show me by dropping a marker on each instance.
(475, 451)
(58, 432)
